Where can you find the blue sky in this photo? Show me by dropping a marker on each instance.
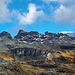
(37, 15)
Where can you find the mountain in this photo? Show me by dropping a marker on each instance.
(32, 53)
(69, 33)
(48, 39)
(5, 38)
(4, 33)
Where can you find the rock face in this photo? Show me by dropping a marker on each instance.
(29, 53)
(71, 47)
(66, 56)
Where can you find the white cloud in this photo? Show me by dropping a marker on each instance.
(65, 32)
(31, 16)
(4, 11)
(24, 18)
(49, 1)
(60, 1)
(65, 12)
(62, 14)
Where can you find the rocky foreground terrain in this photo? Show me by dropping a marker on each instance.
(32, 53)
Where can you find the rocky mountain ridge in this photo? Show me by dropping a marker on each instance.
(48, 39)
(34, 39)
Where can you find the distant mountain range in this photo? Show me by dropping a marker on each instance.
(70, 33)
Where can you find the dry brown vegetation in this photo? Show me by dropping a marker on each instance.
(6, 56)
(19, 68)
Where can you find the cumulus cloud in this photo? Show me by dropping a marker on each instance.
(65, 12)
(4, 11)
(31, 16)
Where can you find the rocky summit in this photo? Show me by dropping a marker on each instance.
(32, 53)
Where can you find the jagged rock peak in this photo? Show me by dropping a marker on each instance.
(49, 33)
(21, 31)
(4, 33)
(61, 34)
(33, 33)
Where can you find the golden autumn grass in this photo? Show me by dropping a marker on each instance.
(31, 70)
(6, 57)
(27, 69)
